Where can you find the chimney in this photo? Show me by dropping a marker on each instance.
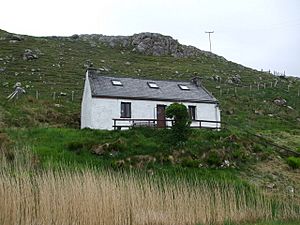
(197, 81)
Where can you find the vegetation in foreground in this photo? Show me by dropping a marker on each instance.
(29, 196)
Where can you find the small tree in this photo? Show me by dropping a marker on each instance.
(181, 126)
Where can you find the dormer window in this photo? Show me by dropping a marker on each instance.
(116, 83)
(152, 85)
(183, 87)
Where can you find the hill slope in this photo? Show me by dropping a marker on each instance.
(47, 66)
(52, 70)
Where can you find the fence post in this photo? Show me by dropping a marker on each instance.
(54, 95)
(235, 90)
(264, 85)
(250, 87)
(72, 96)
(258, 86)
(298, 92)
(271, 84)
(37, 94)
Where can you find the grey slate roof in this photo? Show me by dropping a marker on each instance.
(101, 86)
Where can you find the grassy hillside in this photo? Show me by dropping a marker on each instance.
(60, 67)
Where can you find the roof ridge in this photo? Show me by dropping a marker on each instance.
(135, 78)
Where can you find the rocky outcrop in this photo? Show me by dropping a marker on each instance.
(149, 44)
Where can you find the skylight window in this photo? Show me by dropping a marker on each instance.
(183, 87)
(116, 83)
(152, 85)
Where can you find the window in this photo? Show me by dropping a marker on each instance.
(116, 83)
(125, 110)
(183, 87)
(152, 85)
(192, 112)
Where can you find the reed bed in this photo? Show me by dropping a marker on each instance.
(30, 196)
(89, 197)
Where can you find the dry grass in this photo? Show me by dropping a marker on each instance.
(89, 197)
(106, 198)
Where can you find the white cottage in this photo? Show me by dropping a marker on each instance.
(117, 102)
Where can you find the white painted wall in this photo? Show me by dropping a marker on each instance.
(86, 105)
(101, 111)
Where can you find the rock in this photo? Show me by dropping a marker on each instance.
(216, 78)
(57, 105)
(149, 44)
(18, 84)
(280, 101)
(100, 149)
(88, 64)
(258, 112)
(127, 63)
(271, 185)
(225, 164)
(290, 107)
(16, 37)
(290, 189)
(75, 36)
(63, 94)
(29, 55)
(236, 79)
(171, 159)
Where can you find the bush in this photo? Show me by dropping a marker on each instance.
(293, 162)
(181, 126)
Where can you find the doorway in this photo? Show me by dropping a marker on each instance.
(161, 116)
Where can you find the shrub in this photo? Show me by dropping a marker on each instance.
(181, 126)
(293, 162)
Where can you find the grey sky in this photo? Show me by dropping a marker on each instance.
(262, 34)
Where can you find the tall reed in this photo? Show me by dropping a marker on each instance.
(31, 197)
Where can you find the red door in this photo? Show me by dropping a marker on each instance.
(161, 116)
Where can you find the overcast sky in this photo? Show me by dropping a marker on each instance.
(262, 34)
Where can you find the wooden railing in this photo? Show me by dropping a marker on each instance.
(119, 123)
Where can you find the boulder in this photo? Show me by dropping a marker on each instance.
(149, 44)
(29, 55)
(280, 101)
(16, 37)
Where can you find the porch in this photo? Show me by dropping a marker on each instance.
(127, 123)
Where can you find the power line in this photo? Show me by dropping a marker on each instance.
(209, 32)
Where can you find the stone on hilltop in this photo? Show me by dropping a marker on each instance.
(29, 55)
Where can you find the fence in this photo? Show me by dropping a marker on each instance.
(118, 124)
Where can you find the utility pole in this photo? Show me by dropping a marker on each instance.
(209, 32)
